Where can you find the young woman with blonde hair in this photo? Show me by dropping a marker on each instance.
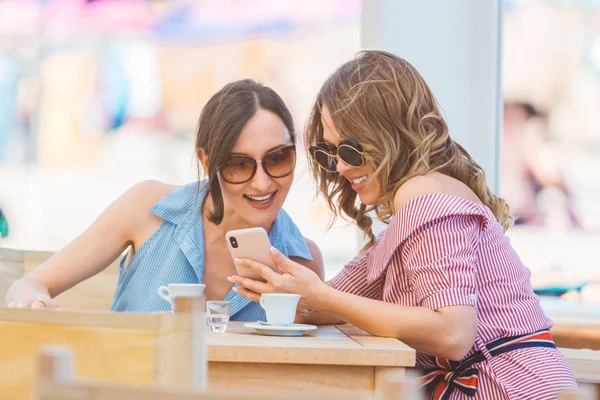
(442, 277)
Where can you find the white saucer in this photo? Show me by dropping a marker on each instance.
(280, 330)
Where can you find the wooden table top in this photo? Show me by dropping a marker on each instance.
(328, 345)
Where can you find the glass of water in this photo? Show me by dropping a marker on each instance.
(218, 315)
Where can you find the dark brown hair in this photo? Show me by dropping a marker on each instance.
(220, 125)
(381, 101)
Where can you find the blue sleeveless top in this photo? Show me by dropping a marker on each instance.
(175, 254)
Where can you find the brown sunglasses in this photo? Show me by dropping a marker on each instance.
(277, 163)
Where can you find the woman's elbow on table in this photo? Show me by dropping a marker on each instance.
(459, 327)
(455, 347)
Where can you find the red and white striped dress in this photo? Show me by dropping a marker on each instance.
(440, 251)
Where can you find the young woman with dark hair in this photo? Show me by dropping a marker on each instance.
(245, 142)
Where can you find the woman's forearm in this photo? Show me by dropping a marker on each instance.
(421, 328)
(317, 318)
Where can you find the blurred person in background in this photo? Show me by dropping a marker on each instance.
(442, 277)
(245, 142)
(532, 179)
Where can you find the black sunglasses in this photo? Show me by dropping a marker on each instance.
(349, 151)
(277, 163)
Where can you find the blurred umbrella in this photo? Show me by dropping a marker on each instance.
(195, 21)
(19, 17)
(227, 20)
(108, 16)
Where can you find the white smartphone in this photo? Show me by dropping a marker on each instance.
(251, 243)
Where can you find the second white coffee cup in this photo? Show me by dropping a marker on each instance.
(173, 290)
(280, 307)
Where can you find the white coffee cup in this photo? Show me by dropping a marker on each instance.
(173, 290)
(280, 307)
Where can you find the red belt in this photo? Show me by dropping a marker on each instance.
(462, 375)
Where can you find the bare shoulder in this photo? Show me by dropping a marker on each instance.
(135, 204)
(316, 264)
(432, 183)
(132, 210)
(149, 192)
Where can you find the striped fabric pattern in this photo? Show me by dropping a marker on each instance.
(441, 250)
(175, 254)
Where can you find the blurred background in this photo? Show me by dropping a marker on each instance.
(550, 154)
(98, 95)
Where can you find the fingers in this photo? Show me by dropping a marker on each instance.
(283, 262)
(250, 295)
(38, 303)
(50, 304)
(266, 272)
(251, 284)
(33, 302)
(26, 303)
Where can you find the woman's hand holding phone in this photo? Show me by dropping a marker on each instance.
(295, 278)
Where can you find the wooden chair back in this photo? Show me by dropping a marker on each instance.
(94, 294)
(587, 391)
(125, 348)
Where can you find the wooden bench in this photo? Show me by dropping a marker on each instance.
(94, 294)
(576, 333)
(584, 363)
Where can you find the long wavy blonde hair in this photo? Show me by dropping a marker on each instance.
(381, 101)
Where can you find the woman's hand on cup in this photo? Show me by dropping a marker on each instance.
(295, 278)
